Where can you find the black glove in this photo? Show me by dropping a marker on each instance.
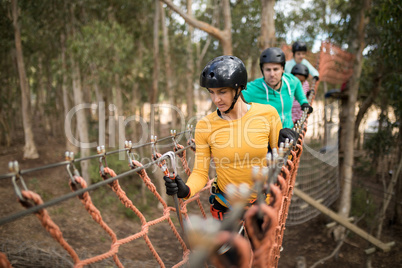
(176, 186)
(287, 133)
(306, 105)
(315, 78)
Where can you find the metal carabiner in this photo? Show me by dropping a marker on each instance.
(172, 157)
(153, 148)
(17, 189)
(70, 157)
(74, 173)
(173, 135)
(14, 167)
(128, 145)
(102, 159)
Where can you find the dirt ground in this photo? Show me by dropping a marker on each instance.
(27, 244)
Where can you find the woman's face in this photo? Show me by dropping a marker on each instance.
(299, 56)
(222, 97)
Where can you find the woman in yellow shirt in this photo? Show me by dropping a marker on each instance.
(236, 136)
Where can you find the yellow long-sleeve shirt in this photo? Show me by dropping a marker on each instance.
(235, 146)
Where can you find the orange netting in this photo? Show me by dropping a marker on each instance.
(265, 234)
(336, 65)
(265, 241)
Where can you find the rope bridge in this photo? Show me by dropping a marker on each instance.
(266, 245)
(264, 224)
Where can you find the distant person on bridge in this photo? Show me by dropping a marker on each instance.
(301, 72)
(235, 136)
(299, 50)
(276, 87)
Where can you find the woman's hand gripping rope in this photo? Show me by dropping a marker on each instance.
(172, 176)
(176, 186)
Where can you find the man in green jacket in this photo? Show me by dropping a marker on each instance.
(276, 87)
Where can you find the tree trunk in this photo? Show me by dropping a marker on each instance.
(367, 104)
(224, 36)
(267, 37)
(101, 105)
(168, 67)
(357, 45)
(153, 96)
(190, 66)
(30, 151)
(387, 198)
(325, 86)
(69, 146)
(120, 111)
(397, 219)
(82, 125)
(39, 108)
(201, 55)
(43, 99)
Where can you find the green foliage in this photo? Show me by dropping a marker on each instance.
(320, 19)
(384, 41)
(381, 142)
(246, 24)
(363, 166)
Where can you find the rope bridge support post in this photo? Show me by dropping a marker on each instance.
(344, 222)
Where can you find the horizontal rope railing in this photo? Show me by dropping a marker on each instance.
(65, 197)
(63, 163)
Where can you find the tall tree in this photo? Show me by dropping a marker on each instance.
(190, 64)
(224, 36)
(64, 87)
(154, 96)
(30, 150)
(267, 37)
(82, 123)
(168, 65)
(155, 75)
(357, 45)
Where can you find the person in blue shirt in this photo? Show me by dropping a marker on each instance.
(299, 50)
(276, 87)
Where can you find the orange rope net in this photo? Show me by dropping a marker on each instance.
(265, 242)
(265, 234)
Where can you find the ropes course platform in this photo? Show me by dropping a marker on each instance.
(264, 224)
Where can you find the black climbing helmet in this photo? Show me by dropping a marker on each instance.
(272, 55)
(224, 71)
(299, 46)
(300, 69)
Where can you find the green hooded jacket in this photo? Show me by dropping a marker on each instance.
(259, 92)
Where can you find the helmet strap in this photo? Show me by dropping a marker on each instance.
(233, 102)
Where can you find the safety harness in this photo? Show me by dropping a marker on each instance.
(217, 193)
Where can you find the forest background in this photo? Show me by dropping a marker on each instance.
(124, 56)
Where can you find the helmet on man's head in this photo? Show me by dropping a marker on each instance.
(224, 71)
(272, 55)
(299, 46)
(300, 69)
